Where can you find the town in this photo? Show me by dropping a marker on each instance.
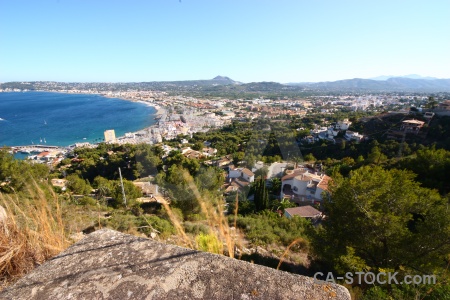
(255, 172)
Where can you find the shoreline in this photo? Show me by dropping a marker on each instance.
(159, 111)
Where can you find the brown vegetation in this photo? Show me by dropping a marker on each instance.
(31, 232)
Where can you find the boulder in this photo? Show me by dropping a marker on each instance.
(107, 264)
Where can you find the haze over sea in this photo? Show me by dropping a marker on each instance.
(64, 119)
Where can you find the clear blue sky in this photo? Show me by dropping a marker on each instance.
(283, 41)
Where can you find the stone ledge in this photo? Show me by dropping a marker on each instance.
(111, 265)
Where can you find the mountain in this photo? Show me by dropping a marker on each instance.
(223, 79)
(411, 76)
(226, 87)
(393, 84)
(381, 78)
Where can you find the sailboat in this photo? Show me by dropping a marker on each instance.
(40, 140)
(45, 141)
(45, 122)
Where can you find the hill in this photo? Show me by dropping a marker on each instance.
(393, 84)
(227, 87)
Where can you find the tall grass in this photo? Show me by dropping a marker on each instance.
(220, 239)
(31, 232)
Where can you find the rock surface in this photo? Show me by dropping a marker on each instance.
(112, 265)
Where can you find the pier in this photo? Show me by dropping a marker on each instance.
(33, 148)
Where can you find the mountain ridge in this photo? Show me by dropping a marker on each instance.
(223, 84)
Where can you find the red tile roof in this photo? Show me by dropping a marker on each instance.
(324, 183)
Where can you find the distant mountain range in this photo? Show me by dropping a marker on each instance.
(409, 83)
(411, 76)
(225, 86)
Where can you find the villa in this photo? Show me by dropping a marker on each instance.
(303, 185)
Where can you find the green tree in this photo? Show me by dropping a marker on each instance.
(78, 185)
(237, 157)
(297, 160)
(309, 157)
(198, 146)
(210, 179)
(16, 174)
(376, 156)
(132, 192)
(276, 186)
(177, 188)
(432, 167)
(431, 103)
(262, 172)
(383, 219)
(261, 195)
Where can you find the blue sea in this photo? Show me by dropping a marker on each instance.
(59, 119)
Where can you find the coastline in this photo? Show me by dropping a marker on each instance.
(142, 135)
(160, 110)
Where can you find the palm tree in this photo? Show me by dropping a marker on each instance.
(297, 160)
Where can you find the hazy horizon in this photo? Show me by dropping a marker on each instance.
(291, 82)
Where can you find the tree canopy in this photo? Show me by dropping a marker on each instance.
(383, 219)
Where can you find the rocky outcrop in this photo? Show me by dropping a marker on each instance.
(112, 265)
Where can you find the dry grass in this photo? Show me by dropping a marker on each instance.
(31, 232)
(296, 241)
(224, 239)
(221, 238)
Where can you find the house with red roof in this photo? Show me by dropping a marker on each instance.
(304, 185)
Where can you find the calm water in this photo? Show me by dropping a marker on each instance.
(64, 119)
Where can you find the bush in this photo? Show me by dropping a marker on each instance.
(86, 200)
(267, 228)
(195, 229)
(195, 217)
(209, 243)
(122, 222)
(164, 227)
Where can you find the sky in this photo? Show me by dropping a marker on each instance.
(246, 40)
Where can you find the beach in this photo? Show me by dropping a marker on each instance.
(63, 119)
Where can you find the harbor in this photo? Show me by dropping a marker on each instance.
(34, 149)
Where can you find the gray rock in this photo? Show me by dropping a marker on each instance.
(111, 265)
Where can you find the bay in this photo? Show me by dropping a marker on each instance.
(60, 119)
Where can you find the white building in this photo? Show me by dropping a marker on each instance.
(244, 173)
(343, 125)
(304, 185)
(353, 136)
(110, 136)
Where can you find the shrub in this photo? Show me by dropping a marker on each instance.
(209, 243)
(195, 228)
(86, 200)
(164, 227)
